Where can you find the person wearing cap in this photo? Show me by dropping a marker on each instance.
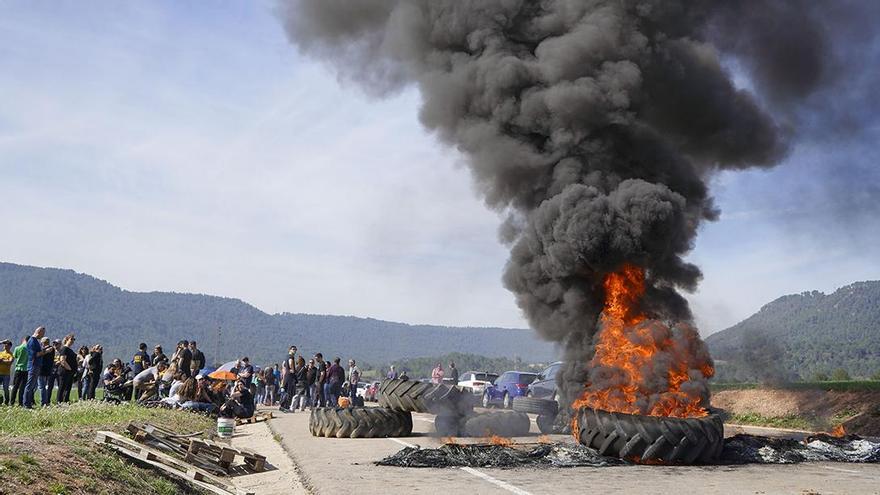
(6, 360)
(67, 368)
(46, 380)
(140, 361)
(150, 378)
(34, 365)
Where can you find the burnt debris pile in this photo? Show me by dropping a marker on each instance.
(751, 449)
(499, 456)
(740, 449)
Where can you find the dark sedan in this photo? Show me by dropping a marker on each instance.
(544, 386)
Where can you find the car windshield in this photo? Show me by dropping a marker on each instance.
(527, 378)
(485, 377)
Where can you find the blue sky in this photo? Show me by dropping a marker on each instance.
(186, 146)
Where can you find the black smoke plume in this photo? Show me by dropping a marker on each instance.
(593, 124)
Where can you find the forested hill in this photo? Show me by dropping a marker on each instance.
(64, 301)
(806, 335)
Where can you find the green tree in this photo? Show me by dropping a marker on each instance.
(876, 376)
(820, 376)
(839, 375)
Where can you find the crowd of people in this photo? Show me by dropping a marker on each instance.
(33, 371)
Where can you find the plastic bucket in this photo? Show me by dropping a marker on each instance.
(225, 427)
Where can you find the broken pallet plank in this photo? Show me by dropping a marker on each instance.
(143, 452)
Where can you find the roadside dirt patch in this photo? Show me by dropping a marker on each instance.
(858, 411)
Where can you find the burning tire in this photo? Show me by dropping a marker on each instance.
(545, 423)
(359, 422)
(536, 406)
(412, 396)
(651, 439)
(502, 424)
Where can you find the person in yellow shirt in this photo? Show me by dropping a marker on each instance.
(6, 370)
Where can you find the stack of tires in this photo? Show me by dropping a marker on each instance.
(359, 422)
(547, 410)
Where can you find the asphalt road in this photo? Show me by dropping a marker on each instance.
(333, 466)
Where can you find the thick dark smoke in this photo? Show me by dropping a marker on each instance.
(593, 124)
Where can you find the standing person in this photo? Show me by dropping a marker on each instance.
(437, 374)
(35, 364)
(6, 361)
(299, 379)
(139, 362)
(392, 373)
(260, 385)
(354, 377)
(333, 383)
(158, 356)
(453, 372)
(269, 381)
(320, 399)
(47, 369)
(67, 366)
(20, 377)
(310, 376)
(198, 359)
(81, 363)
(246, 372)
(94, 371)
(183, 358)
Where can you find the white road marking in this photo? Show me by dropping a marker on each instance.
(401, 442)
(843, 470)
(478, 474)
(496, 482)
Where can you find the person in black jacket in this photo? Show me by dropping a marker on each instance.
(96, 369)
(67, 369)
(158, 356)
(45, 382)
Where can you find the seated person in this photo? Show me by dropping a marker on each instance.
(194, 395)
(148, 381)
(173, 398)
(240, 403)
(113, 380)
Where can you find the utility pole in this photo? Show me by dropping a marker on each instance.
(217, 350)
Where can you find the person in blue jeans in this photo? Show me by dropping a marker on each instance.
(35, 361)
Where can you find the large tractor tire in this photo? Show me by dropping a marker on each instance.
(545, 423)
(536, 406)
(413, 396)
(652, 439)
(502, 424)
(359, 422)
(447, 425)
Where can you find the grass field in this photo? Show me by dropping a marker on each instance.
(51, 450)
(844, 386)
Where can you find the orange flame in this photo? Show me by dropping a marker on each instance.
(500, 441)
(449, 441)
(628, 343)
(544, 439)
(839, 431)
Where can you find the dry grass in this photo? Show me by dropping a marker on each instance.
(51, 450)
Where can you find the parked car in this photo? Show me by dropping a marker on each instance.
(509, 385)
(372, 392)
(544, 386)
(362, 390)
(476, 381)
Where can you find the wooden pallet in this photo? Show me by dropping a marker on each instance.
(168, 464)
(256, 418)
(225, 454)
(178, 444)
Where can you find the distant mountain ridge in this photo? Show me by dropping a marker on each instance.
(802, 335)
(98, 312)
